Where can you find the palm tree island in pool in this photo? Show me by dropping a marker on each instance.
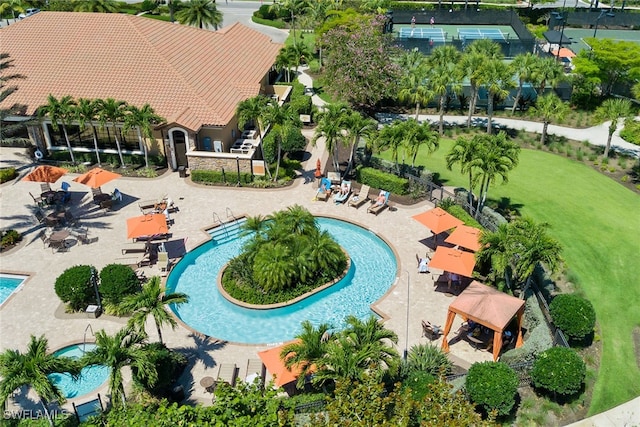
(286, 256)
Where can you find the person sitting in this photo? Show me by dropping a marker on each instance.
(381, 199)
(116, 195)
(324, 190)
(423, 266)
(344, 188)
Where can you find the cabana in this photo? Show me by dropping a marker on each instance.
(489, 307)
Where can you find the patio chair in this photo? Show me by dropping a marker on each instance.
(163, 261)
(342, 195)
(255, 367)
(380, 204)
(431, 331)
(45, 239)
(228, 373)
(38, 200)
(324, 191)
(44, 187)
(39, 216)
(360, 198)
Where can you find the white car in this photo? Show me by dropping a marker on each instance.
(29, 12)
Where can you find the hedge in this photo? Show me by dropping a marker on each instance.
(7, 174)
(217, 177)
(74, 287)
(492, 386)
(275, 24)
(383, 180)
(116, 282)
(559, 370)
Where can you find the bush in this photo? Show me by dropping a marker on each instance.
(10, 238)
(74, 287)
(574, 315)
(219, 177)
(169, 364)
(492, 386)
(418, 382)
(559, 370)
(631, 131)
(116, 282)
(275, 24)
(383, 180)
(7, 174)
(428, 358)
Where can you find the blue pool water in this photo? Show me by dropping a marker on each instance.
(8, 284)
(90, 378)
(372, 272)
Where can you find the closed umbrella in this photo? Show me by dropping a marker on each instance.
(465, 236)
(437, 220)
(97, 177)
(45, 173)
(146, 225)
(453, 261)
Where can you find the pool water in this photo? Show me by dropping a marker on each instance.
(8, 284)
(372, 272)
(91, 377)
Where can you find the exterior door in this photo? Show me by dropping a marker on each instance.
(180, 145)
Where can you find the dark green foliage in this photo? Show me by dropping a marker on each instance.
(148, 6)
(492, 386)
(74, 287)
(461, 214)
(10, 238)
(559, 370)
(418, 382)
(428, 358)
(169, 364)
(7, 174)
(294, 141)
(266, 12)
(287, 252)
(574, 315)
(383, 180)
(116, 282)
(631, 131)
(134, 160)
(219, 177)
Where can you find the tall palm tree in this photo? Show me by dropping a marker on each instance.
(419, 135)
(442, 79)
(5, 90)
(497, 78)
(143, 119)
(12, 5)
(308, 350)
(330, 126)
(465, 152)
(546, 71)
(549, 107)
(523, 67)
(117, 352)
(110, 110)
(357, 126)
(86, 112)
(297, 54)
(60, 112)
(281, 119)
(200, 13)
(251, 111)
(98, 6)
(372, 334)
(613, 109)
(32, 369)
(152, 301)
(412, 85)
(392, 138)
(294, 7)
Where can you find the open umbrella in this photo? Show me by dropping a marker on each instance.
(275, 366)
(146, 225)
(465, 236)
(96, 177)
(437, 220)
(45, 173)
(453, 261)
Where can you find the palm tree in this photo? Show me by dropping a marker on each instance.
(636, 91)
(330, 126)
(274, 266)
(497, 79)
(85, 112)
(151, 301)
(523, 67)
(308, 350)
(59, 112)
(7, 129)
(32, 369)
(418, 135)
(251, 111)
(281, 119)
(110, 110)
(143, 119)
(12, 5)
(392, 137)
(200, 13)
(294, 7)
(118, 351)
(99, 6)
(613, 109)
(465, 152)
(357, 126)
(546, 71)
(412, 86)
(297, 54)
(472, 66)
(549, 107)
(441, 79)
(371, 334)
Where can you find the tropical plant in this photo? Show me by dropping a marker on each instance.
(116, 352)
(613, 109)
(85, 112)
(523, 67)
(310, 346)
(357, 126)
(574, 315)
(465, 153)
(110, 110)
(546, 71)
(549, 107)
(412, 86)
(559, 370)
(417, 135)
(294, 8)
(97, 6)
(5, 90)
(199, 13)
(281, 119)
(492, 386)
(497, 78)
(428, 358)
(392, 138)
(32, 369)
(143, 119)
(251, 111)
(330, 126)
(12, 5)
(116, 282)
(60, 112)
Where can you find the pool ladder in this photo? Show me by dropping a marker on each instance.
(84, 338)
(230, 219)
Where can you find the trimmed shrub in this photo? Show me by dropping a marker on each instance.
(559, 370)
(574, 315)
(10, 238)
(631, 131)
(383, 180)
(74, 287)
(275, 24)
(116, 282)
(219, 177)
(7, 174)
(428, 358)
(492, 386)
(418, 382)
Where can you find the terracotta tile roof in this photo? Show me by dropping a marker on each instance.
(191, 77)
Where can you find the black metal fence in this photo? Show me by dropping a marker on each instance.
(588, 19)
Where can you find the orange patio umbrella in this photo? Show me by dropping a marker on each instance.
(275, 366)
(437, 220)
(45, 173)
(96, 177)
(465, 236)
(453, 261)
(146, 225)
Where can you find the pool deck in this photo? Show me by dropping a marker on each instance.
(36, 310)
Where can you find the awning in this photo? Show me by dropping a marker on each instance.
(553, 37)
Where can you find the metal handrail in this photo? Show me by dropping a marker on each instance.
(217, 219)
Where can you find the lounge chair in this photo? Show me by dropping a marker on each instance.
(360, 198)
(163, 261)
(341, 197)
(135, 247)
(255, 368)
(430, 331)
(325, 190)
(228, 373)
(379, 205)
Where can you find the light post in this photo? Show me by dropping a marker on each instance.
(406, 336)
(238, 168)
(94, 283)
(560, 18)
(602, 13)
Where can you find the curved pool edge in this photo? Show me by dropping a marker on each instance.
(374, 306)
(93, 393)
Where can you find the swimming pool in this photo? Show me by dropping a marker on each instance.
(8, 284)
(90, 378)
(372, 272)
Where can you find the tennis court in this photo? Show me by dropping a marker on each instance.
(482, 33)
(579, 36)
(435, 34)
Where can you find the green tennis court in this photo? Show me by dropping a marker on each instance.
(579, 36)
(452, 31)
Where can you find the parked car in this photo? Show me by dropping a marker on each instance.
(29, 12)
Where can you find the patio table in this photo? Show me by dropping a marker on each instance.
(57, 240)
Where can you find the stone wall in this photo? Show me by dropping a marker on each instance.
(218, 163)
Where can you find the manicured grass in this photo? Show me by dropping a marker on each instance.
(597, 222)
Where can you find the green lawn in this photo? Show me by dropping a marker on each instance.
(598, 223)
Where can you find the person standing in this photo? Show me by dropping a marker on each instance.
(413, 22)
(432, 21)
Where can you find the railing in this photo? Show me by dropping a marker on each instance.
(230, 215)
(84, 338)
(309, 407)
(217, 220)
